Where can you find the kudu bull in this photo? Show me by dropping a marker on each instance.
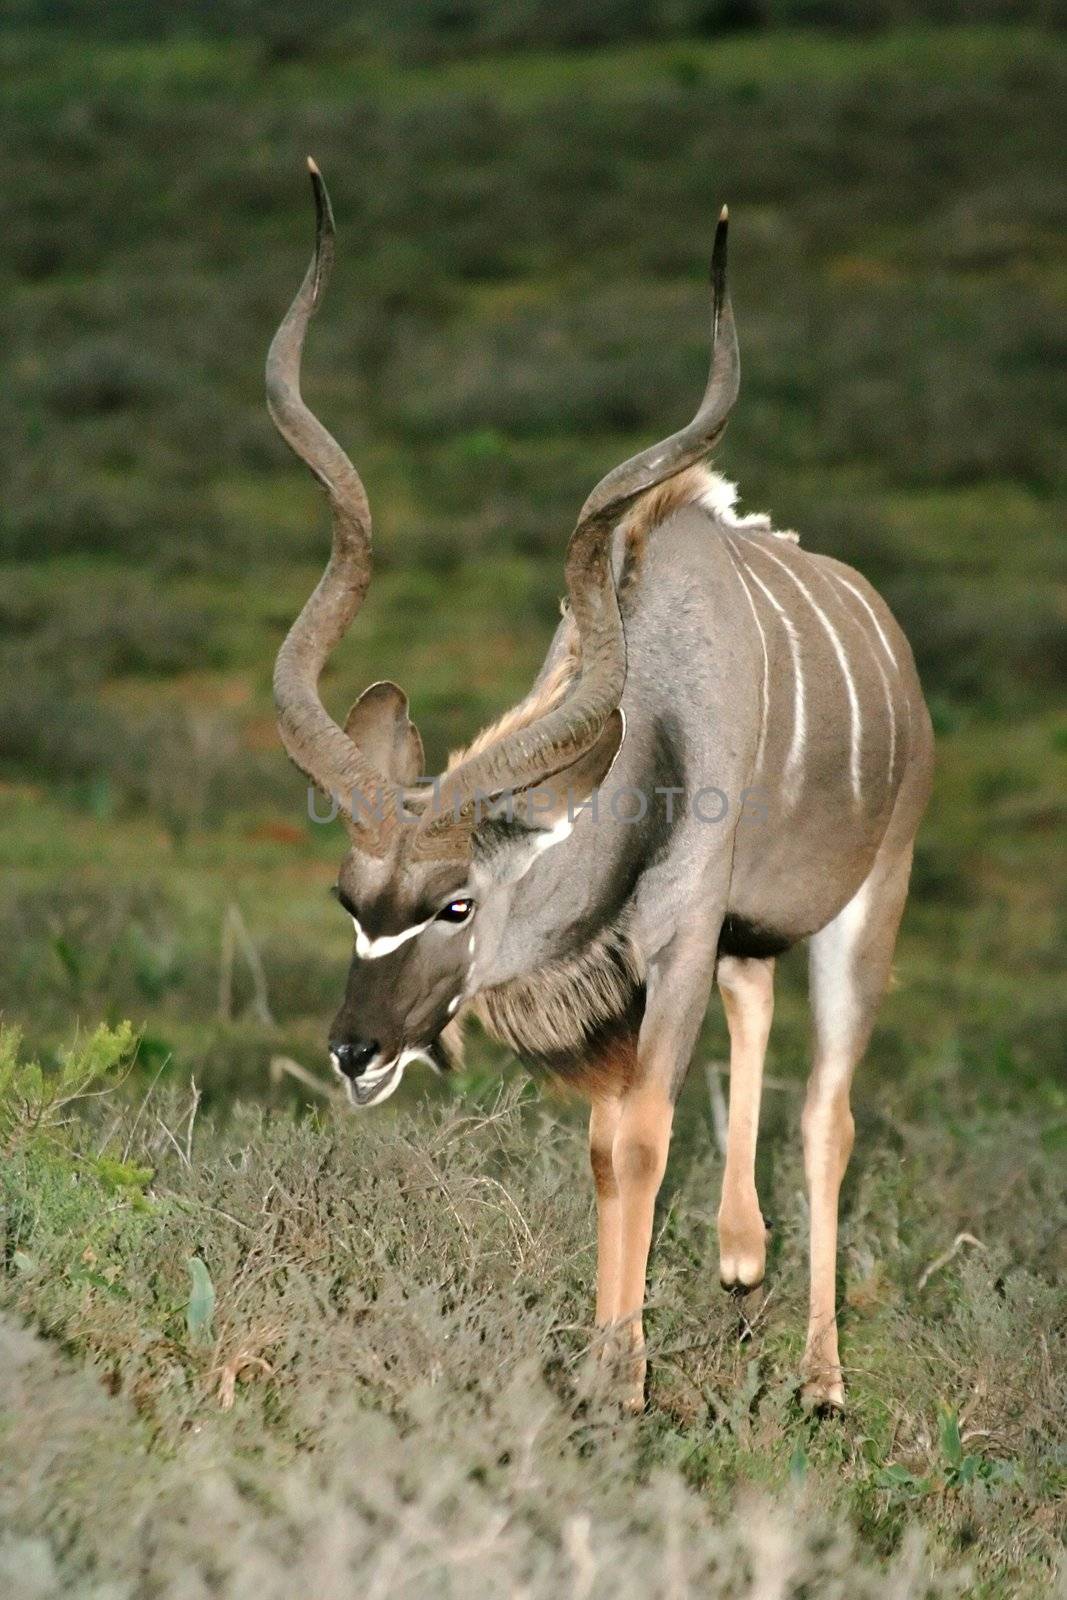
(700, 654)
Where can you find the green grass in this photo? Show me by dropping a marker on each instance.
(193, 68)
(338, 1351)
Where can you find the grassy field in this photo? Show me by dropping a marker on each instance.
(354, 1357)
(377, 1379)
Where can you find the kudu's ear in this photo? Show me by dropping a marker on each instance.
(379, 724)
(532, 820)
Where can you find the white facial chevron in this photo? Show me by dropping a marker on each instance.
(368, 949)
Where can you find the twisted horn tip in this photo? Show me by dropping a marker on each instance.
(323, 232)
(718, 257)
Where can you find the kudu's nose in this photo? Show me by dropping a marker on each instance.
(355, 1057)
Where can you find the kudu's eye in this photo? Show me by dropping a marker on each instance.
(456, 910)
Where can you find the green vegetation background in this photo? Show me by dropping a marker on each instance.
(525, 198)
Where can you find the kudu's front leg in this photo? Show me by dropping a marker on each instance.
(639, 1159)
(603, 1122)
(635, 1127)
(629, 1135)
(747, 988)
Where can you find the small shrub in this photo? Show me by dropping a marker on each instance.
(34, 1101)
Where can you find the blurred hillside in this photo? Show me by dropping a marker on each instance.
(525, 201)
(434, 30)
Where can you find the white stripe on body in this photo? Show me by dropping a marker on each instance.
(766, 687)
(828, 574)
(855, 727)
(791, 774)
(894, 664)
(866, 604)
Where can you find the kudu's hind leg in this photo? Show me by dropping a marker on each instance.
(747, 988)
(850, 962)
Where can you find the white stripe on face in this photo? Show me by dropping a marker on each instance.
(559, 831)
(368, 949)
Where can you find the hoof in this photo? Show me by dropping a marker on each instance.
(739, 1288)
(743, 1278)
(623, 1367)
(741, 1271)
(742, 1249)
(632, 1399)
(823, 1397)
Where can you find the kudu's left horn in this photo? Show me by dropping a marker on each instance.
(315, 742)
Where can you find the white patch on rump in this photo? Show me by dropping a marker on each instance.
(833, 991)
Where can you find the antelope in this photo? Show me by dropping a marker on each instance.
(700, 652)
